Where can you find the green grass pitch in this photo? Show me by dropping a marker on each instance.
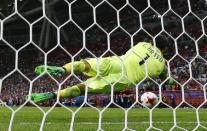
(29, 119)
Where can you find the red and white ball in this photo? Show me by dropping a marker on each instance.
(149, 99)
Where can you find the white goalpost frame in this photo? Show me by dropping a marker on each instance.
(108, 49)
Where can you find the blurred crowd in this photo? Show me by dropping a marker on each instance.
(186, 60)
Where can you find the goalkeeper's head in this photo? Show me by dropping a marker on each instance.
(162, 42)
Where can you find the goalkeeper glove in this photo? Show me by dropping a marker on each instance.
(52, 70)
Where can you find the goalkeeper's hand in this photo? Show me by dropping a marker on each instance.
(52, 70)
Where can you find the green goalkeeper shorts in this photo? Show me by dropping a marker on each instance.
(104, 84)
(105, 66)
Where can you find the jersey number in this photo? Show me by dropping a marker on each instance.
(143, 61)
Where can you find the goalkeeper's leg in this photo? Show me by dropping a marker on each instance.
(95, 86)
(69, 92)
(78, 66)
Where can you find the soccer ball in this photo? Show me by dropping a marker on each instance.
(149, 99)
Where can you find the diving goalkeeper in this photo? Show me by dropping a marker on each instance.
(120, 71)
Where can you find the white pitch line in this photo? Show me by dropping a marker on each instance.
(113, 123)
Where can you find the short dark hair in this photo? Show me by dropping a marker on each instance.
(162, 42)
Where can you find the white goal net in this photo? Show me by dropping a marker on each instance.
(56, 32)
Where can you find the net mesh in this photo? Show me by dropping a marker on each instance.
(104, 28)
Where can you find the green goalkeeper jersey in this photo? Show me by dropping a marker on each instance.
(140, 56)
(132, 64)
